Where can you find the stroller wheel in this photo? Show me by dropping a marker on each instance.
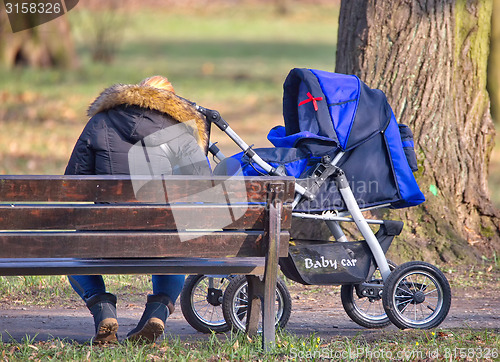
(201, 302)
(416, 295)
(367, 311)
(235, 303)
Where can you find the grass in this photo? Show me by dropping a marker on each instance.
(50, 290)
(233, 59)
(385, 345)
(464, 344)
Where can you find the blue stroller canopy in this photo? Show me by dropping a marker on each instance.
(326, 113)
(335, 106)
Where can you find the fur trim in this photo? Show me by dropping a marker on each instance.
(153, 98)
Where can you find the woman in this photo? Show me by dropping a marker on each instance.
(174, 136)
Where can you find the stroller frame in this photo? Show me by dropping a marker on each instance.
(400, 287)
(332, 221)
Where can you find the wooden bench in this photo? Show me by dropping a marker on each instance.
(61, 225)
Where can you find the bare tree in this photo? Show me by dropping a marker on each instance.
(430, 58)
(102, 26)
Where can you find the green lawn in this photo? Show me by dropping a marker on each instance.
(233, 59)
(443, 345)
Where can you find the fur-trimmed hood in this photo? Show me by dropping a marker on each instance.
(161, 100)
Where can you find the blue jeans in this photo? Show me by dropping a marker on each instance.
(89, 285)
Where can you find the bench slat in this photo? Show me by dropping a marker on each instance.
(134, 217)
(124, 244)
(120, 188)
(65, 266)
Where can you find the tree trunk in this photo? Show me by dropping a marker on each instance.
(430, 58)
(46, 45)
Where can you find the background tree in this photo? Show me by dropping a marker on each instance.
(47, 45)
(103, 26)
(430, 58)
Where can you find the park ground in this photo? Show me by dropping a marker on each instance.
(48, 317)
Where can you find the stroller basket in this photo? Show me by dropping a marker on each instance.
(313, 262)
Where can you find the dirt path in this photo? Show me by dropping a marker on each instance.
(315, 309)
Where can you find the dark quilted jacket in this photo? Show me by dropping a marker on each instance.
(124, 137)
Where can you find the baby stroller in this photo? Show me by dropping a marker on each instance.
(349, 155)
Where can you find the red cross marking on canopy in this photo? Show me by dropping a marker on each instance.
(312, 99)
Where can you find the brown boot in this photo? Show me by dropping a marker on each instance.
(152, 323)
(103, 308)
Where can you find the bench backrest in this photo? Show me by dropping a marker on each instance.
(120, 217)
